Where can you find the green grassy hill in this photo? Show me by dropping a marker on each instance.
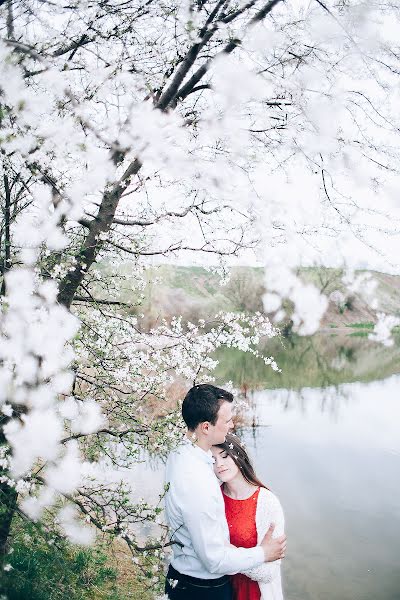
(195, 292)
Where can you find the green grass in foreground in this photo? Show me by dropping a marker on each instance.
(60, 571)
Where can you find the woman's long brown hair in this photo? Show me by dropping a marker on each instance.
(238, 454)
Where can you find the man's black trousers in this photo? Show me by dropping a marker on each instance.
(183, 587)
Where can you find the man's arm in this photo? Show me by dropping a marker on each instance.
(201, 518)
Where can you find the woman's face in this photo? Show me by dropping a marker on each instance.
(224, 466)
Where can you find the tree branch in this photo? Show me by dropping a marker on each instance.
(205, 35)
(23, 48)
(187, 89)
(97, 301)
(91, 245)
(73, 46)
(170, 214)
(117, 434)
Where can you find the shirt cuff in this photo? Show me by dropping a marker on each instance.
(259, 555)
(254, 556)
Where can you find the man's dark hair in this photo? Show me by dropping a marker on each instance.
(202, 403)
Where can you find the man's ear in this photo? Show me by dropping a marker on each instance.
(205, 427)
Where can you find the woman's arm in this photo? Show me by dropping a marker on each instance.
(269, 510)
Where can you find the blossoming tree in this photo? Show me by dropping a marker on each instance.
(142, 129)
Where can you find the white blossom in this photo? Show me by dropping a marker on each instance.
(382, 331)
(73, 527)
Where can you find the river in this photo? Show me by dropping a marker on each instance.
(332, 455)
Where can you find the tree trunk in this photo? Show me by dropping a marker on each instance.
(7, 243)
(8, 496)
(8, 504)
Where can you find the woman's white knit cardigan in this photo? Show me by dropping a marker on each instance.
(268, 575)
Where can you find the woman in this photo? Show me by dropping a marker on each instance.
(250, 508)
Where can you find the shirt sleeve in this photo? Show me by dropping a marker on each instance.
(201, 516)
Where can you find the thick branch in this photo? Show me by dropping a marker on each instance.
(73, 46)
(263, 12)
(205, 35)
(199, 74)
(187, 89)
(10, 20)
(239, 11)
(91, 245)
(170, 93)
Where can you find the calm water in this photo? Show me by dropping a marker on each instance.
(332, 455)
(333, 458)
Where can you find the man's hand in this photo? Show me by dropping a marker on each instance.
(273, 548)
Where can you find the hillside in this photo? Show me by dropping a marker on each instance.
(195, 292)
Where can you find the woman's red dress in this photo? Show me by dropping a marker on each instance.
(241, 517)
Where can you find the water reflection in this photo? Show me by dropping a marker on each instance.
(333, 457)
(318, 361)
(326, 400)
(368, 414)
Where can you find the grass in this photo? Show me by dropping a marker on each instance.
(362, 325)
(360, 333)
(195, 281)
(52, 569)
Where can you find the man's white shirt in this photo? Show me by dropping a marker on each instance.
(195, 512)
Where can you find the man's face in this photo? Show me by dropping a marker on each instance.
(222, 425)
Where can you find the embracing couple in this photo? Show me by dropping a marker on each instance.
(227, 527)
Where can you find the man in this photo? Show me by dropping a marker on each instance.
(203, 557)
